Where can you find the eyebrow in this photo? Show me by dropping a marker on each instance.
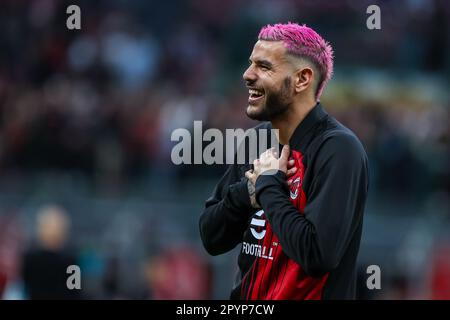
(262, 62)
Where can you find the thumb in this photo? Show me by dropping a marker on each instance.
(285, 153)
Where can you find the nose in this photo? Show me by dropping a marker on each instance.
(249, 75)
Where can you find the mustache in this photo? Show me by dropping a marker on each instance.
(251, 85)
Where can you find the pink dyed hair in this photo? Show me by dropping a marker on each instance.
(303, 42)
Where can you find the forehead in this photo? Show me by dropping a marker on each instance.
(268, 50)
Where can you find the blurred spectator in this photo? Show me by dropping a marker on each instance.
(111, 280)
(178, 274)
(45, 266)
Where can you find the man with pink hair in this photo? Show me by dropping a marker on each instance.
(297, 215)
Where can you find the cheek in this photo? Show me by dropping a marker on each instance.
(287, 88)
(271, 84)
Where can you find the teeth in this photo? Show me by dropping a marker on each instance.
(255, 92)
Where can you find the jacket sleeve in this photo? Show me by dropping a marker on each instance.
(224, 218)
(318, 239)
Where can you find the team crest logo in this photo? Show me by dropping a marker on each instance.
(258, 222)
(294, 188)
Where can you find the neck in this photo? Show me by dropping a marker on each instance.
(290, 120)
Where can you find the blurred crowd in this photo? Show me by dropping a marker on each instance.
(102, 102)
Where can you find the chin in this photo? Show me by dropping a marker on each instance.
(256, 113)
(252, 111)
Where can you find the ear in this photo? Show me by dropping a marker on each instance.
(303, 79)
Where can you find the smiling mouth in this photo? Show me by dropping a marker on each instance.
(255, 95)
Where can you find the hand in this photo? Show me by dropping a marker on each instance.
(291, 171)
(269, 163)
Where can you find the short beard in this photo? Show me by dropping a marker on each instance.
(277, 103)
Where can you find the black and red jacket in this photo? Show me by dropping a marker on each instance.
(304, 242)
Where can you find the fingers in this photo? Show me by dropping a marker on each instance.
(272, 152)
(285, 153)
(250, 175)
(269, 160)
(291, 163)
(291, 172)
(265, 155)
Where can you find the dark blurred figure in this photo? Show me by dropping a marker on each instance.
(111, 280)
(44, 266)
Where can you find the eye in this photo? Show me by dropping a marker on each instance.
(265, 68)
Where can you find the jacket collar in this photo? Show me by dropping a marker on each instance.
(312, 118)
